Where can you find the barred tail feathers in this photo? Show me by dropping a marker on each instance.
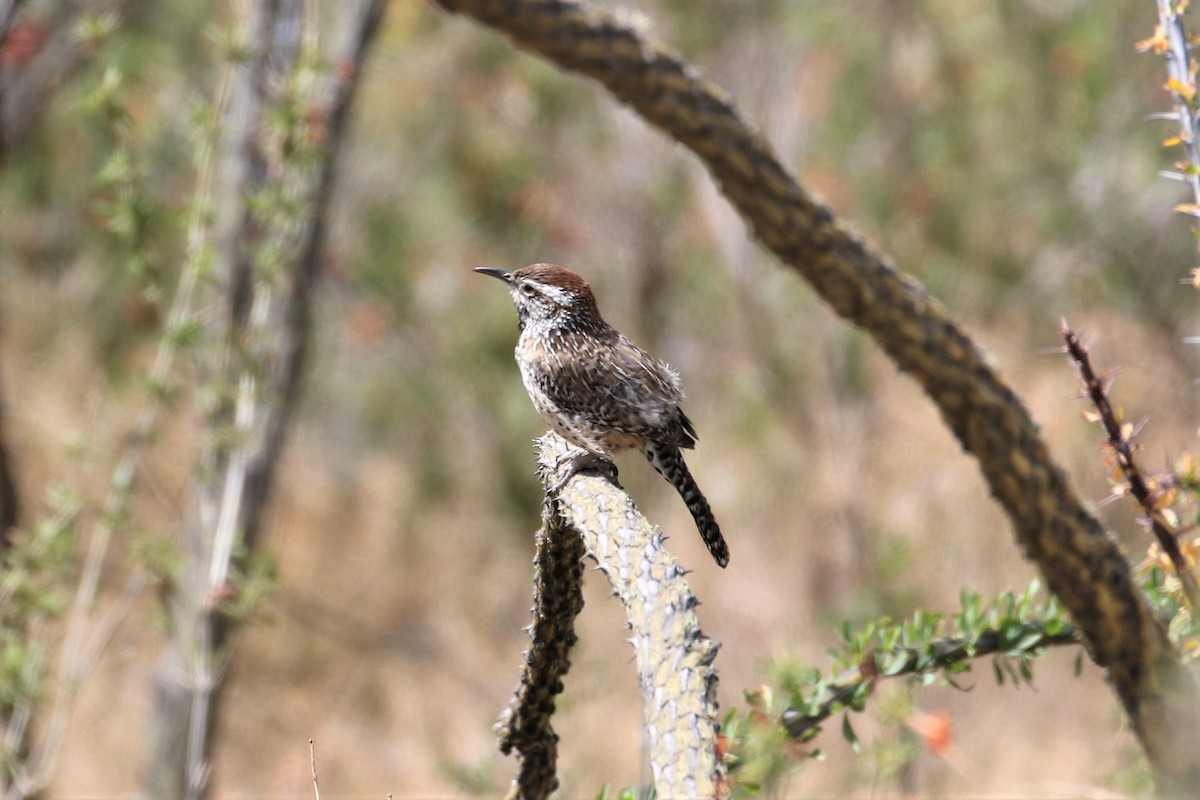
(669, 462)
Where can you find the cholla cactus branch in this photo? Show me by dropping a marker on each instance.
(674, 658)
(557, 599)
(1120, 439)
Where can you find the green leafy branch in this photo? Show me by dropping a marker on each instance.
(35, 567)
(1013, 629)
(123, 202)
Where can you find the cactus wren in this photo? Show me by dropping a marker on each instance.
(597, 389)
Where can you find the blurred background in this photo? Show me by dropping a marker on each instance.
(999, 152)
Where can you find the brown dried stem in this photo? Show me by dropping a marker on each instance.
(1120, 439)
(10, 496)
(10, 508)
(1079, 560)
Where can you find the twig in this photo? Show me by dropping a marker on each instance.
(1121, 442)
(312, 759)
(10, 497)
(36, 774)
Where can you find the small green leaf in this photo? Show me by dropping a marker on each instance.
(849, 735)
(1079, 663)
(858, 700)
(889, 637)
(958, 685)
(1055, 627)
(957, 667)
(893, 663)
(1027, 640)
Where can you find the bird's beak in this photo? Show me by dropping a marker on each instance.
(495, 273)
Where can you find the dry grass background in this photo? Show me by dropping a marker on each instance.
(404, 517)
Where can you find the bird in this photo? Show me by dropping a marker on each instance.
(597, 389)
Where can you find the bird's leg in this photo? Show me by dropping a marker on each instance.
(571, 464)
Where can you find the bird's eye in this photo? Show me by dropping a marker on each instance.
(528, 290)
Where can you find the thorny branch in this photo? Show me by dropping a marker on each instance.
(1120, 440)
(1171, 41)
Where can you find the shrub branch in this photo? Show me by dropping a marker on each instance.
(945, 653)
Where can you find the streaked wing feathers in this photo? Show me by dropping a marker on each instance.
(628, 390)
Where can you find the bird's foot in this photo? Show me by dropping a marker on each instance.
(570, 465)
